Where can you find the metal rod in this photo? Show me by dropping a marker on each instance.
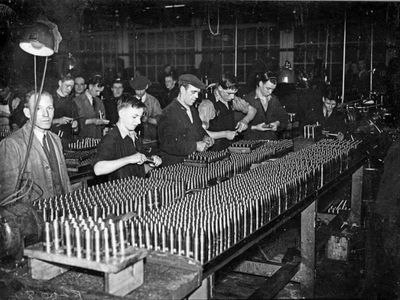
(372, 57)
(236, 45)
(344, 52)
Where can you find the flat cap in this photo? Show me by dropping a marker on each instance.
(191, 79)
(139, 83)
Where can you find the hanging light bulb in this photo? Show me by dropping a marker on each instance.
(71, 61)
(286, 74)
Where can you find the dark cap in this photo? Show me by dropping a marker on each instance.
(139, 83)
(191, 79)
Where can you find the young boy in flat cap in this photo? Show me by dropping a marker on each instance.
(153, 109)
(180, 129)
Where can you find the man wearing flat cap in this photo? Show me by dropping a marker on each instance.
(180, 129)
(153, 109)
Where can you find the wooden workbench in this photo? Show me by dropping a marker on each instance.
(169, 281)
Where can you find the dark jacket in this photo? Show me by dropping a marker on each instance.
(334, 123)
(275, 112)
(224, 120)
(110, 105)
(177, 135)
(89, 111)
(64, 107)
(168, 96)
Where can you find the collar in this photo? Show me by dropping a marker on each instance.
(260, 96)
(125, 132)
(59, 95)
(144, 97)
(324, 110)
(218, 97)
(39, 134)
(90, 97)
(183, 106)
(186, 107)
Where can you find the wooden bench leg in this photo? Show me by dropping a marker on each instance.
(204, 292)
(125, 281)
(307, 266)
(44, 270)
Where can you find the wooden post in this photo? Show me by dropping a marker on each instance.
(125, 281)
(204, 291)
(307, 266)
(39, 269)
(356, 195)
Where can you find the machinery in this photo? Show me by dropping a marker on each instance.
(20, 226)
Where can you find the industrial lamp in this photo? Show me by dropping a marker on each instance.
(286, 74)
(38, 39)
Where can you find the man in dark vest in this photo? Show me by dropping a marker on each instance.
(219, 110)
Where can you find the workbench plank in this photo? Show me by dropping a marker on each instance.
(160, 282)
(112, 265)
(276, 282)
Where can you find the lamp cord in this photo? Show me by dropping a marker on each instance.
(209, 23)
(33, 120)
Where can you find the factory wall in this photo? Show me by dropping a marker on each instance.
(208, 51)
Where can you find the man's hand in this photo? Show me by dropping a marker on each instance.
(266, 127)
(230, 134)
(138, 158)
(62, 121)
(208, 140)
(155, 160)
(241, 126)
(260, 127)
(201, 146)
(273, 126)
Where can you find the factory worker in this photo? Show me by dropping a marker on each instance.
(121, 153)
(45, 174)
(180, 129)
(271, 117)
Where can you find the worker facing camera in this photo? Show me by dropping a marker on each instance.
(271, 117)
(46, 169)
(119, 154)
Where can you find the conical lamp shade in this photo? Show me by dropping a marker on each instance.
(38, 40)
(286, 75)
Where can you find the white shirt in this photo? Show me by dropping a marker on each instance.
(143, 98)
(39, 135)
(89, 97)
(189, 113)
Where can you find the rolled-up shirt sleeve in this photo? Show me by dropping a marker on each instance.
(240, 105)
(206, 112)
